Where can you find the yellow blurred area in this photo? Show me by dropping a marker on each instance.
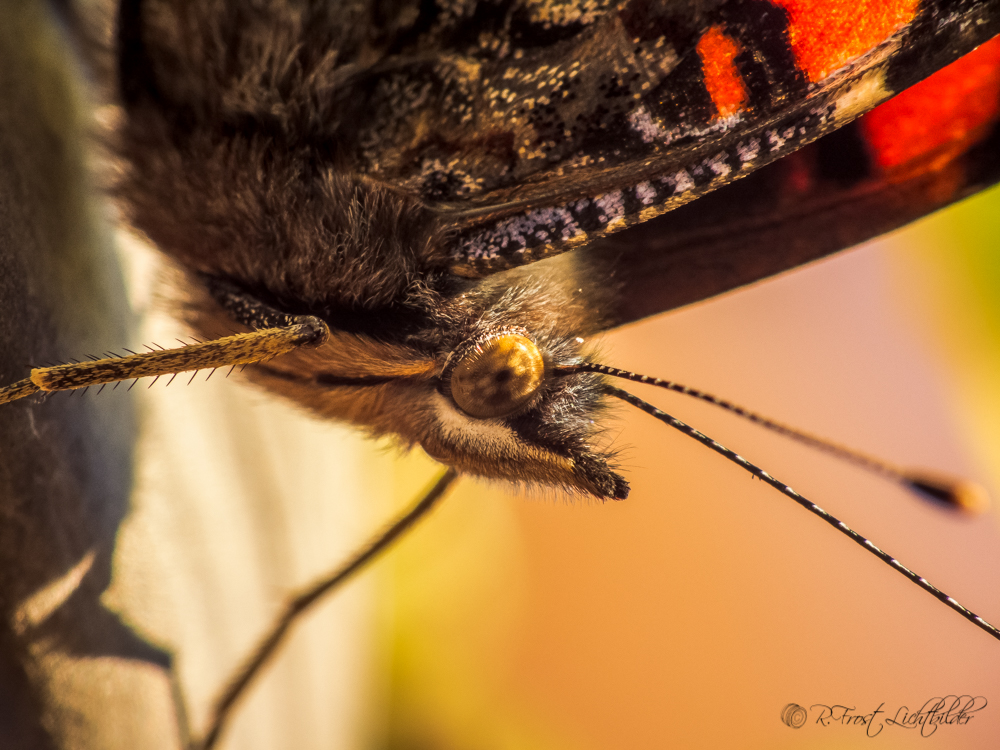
(950, 284)
(693, 613)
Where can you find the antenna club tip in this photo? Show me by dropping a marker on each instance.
(958, 494)
(972, 497)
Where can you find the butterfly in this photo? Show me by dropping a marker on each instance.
(467, 174)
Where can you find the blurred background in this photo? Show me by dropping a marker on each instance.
(691, 614)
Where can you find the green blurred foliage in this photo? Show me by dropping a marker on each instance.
(963, 243)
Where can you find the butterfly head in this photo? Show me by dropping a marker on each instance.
(465, 370)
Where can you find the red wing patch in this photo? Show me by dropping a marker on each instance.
(722, 80)
(827, 34)
(942, 113)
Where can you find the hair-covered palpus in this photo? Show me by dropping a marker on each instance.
(412, 219)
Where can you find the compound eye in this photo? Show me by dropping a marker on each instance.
(498, 376)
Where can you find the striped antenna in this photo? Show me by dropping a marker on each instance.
(951, 492)
(756, 471)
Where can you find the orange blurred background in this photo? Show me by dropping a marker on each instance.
(691, 614)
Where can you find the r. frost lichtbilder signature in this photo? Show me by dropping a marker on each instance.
(933, 714)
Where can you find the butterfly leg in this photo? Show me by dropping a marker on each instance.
(302, 601)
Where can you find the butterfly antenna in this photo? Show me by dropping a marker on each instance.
(784, 489)
(305, 599)
(950, 492)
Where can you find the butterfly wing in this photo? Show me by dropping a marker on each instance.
(532, 128)
(535, 128)
(936, 143)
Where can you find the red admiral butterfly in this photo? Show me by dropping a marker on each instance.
(387, 194)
